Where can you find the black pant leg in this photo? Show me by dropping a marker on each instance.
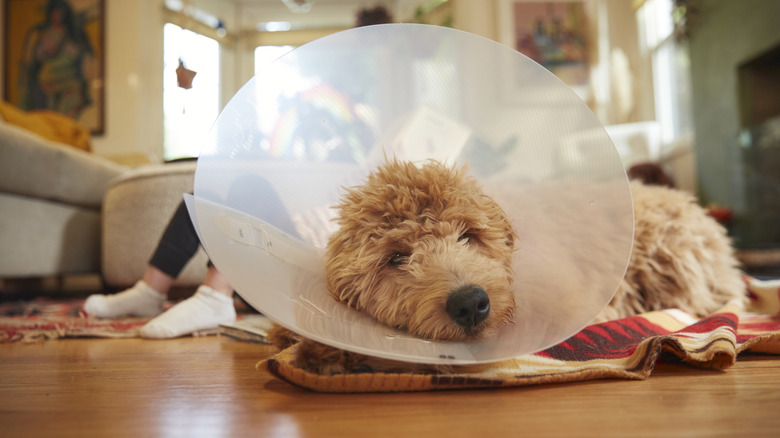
(178, 244)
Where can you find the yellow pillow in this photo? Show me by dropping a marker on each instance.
(49, 125)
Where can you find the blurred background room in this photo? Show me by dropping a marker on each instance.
(689, 86)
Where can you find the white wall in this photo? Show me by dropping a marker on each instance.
(476, 16)
(133, 79)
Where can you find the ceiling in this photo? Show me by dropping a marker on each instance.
(323, 13)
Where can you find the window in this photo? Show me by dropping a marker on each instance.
(188, 113)
(671, 70)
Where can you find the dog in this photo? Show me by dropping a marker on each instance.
(423, 249)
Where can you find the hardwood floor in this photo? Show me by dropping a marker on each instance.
(209, 387)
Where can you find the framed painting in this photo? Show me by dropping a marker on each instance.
(552, 33)
(53, 58)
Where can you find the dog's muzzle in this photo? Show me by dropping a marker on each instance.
(468, 306)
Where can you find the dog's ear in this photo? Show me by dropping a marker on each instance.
(511, 235)
(500, 221)
(509, 231)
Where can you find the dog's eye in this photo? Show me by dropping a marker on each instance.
(465, 238)
(398, 259)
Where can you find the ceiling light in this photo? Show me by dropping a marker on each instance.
(298, 6)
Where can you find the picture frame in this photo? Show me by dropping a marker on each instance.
(54, 58)
(554, 33)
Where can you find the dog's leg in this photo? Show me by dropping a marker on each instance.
(315, 357)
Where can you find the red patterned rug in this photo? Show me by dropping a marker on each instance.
(47, 318)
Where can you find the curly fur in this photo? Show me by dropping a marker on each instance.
(411, 235)
(682, 258)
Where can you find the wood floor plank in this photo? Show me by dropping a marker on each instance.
(209, 387)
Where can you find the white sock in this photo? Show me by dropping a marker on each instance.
(207, 309)
(139, 300)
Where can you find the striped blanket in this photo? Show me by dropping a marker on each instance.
(621, 349)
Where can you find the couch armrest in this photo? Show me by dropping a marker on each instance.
(35, 167)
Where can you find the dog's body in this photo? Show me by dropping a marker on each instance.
(423, 249)
(682, 258)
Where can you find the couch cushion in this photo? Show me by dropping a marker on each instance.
(41, 238)
(35, 167)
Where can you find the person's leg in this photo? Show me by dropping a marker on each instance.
(211, 306)
(177, 245)
(158, 280)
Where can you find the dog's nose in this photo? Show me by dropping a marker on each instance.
(468, 306)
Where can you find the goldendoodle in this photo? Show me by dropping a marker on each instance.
(423, 249)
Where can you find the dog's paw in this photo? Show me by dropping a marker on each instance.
(281, 337)
(325, 360)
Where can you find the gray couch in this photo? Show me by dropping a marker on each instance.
(50, 206)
